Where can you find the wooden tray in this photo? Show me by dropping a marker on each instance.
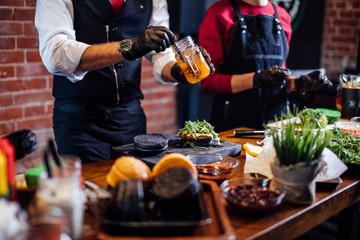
(226, 148)
(220, 227)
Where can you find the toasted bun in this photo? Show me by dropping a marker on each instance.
(126, 168)
(173, 160)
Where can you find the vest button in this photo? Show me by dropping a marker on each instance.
(114, 29)
(123, 84)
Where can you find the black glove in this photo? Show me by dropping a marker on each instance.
(24, 142)
(313, 81)
(153, 38)
(179, 75)
(273, 78)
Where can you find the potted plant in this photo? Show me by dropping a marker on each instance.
(298, 148)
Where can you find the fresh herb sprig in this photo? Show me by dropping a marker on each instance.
(199, 127)
(293, 145)
(345, 146)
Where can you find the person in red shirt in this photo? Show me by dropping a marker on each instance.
(248, 41)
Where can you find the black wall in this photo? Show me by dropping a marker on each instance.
(305, 45)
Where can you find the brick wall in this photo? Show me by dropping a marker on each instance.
(341, 36)
(25, 84)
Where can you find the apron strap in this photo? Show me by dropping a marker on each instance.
(239, 16)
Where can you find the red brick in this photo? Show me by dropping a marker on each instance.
(6, 14)
(10, 113)
(34, 111)
(11, 28)
(7, 127)
(146, 74)
(145, 63)
(40, 122)
(28, 42)
(331, 13)
(50, 81)
(344, 40)
(30, 3)
(346, 13)
(340, 4)
(31, 70)
(6, 100)
(7, 43)
(11, 56)
(27, 14)
(7, 71)
(31, 97)
(33, 56)
(11, 2)
(50, 108)
(38, 83)
(11, 86)
(30, 29)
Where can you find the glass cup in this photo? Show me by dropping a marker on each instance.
(60, 199)
(191, 61)
(355, 119)
(348, 95)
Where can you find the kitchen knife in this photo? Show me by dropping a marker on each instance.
(241, 133)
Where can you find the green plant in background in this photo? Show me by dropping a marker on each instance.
(294, 144)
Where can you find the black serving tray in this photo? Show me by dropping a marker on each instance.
(175, 145)
(158, 221)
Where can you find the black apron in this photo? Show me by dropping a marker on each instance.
(258, 42)
(89, 130)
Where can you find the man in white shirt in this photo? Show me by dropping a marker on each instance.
(94, 49)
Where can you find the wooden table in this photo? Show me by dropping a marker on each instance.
(289, 220)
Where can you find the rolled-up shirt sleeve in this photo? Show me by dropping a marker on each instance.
(59, 50)
(160, 17)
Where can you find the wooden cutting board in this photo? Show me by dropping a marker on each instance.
(225, 148)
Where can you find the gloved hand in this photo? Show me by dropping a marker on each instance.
(179, 75)
(153, 38)
(312, 81)
(273, 78)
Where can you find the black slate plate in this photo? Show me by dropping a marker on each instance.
(175, 145)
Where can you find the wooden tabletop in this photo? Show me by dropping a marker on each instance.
(289, 220)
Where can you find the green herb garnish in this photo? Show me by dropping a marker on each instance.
(197, 127)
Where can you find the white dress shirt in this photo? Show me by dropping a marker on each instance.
(61, 53)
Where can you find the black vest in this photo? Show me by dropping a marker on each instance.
(94, 22)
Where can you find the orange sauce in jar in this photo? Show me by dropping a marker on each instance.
(202, 70)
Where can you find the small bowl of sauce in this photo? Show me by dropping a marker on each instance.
(212, 166)
(247, 194)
